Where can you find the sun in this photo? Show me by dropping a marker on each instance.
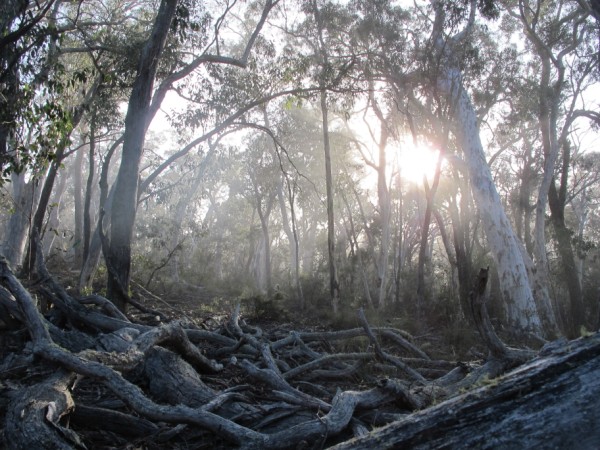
(417, 161)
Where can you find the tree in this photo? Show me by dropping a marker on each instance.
(23, 47)
(556, 36)
(139, 113)
(124, 205)
(325, 69)
(504, 245)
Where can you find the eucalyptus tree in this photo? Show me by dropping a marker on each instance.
(45, 107)
(560, 37)
(323, 56)
(387, 131)
(435, 72)
(262, 173)
(27, 33)
(505, 247)
(142, 105)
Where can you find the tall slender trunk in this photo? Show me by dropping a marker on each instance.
(77, 193)
(287, 229)
(334, 284)
(291, 230)
(363, 272)
(90, 265)
(264, 261)
(54, 215)
(126, 191)
(557, 199)
(89, 190)
(296, 248)
(523, 207)
(430, 196)
(383, 198)
(548, 110)
(462, 253)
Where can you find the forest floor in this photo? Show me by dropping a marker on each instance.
(200, 369)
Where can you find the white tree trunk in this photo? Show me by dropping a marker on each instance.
(504, 245)
(54, 216)
(90, 265)
(25, 198)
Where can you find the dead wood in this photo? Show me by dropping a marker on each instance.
(384, 355)
(547, 403)
(33, 417)
(234, 386)
(106, 420)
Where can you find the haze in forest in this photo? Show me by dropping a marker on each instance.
(274, 224)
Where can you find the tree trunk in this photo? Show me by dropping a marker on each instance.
(354, 240)
(383, 199)
(430, 196)
(126, 191)
(78, 190)
(563, 238)
(460, 237)
(287, 229)
(291, 230)
(334, 284)
(265, 283)
(90, 265)
(89, 190)
(25, 198)
(54, 215)
(504, 246)
(105, 204)
(548, 107)
(42, 206)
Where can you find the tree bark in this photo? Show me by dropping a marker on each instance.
(563, 238)
(89, 190)
(25, 196)
(334, 284)
(430, 197)
(54, 215)
(78, 217)
(543, 404)
(105, 203)
(126, 191)
(504, 246)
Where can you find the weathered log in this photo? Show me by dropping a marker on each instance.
(112, 421)
(33, 416)
(279, 410)
(171, 380)
(550, 402)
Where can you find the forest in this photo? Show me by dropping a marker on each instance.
(290, 223)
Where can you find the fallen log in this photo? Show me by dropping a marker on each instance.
(239, 386)
(550, 402)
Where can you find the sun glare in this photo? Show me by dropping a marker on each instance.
(417, 161)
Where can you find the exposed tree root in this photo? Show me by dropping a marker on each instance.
(177, 385)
